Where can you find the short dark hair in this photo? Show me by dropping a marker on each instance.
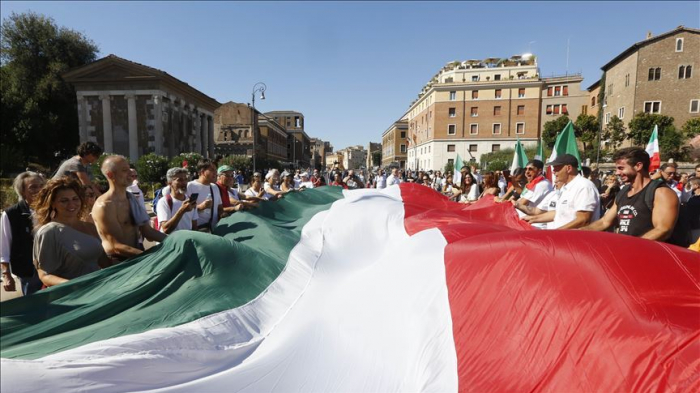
(203, 165)
(537, 164)
(87, 148)
(633, 155)
(586, 171)
(669, 164)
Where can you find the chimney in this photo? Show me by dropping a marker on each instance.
(649, 35)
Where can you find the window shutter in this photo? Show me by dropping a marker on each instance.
(688, 72)
(549, 92)
(566, 90)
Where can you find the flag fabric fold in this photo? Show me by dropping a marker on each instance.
(368, 290)
(564, 144)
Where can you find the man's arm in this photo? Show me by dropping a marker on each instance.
(605, 222)
(582, 218)
(664, 215)
(50, 279)
(170, 224)
(109, 228)
(151, 234)
(529, 210)
(85, 180)
(540, 218)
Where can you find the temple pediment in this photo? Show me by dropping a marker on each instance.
(112, 68)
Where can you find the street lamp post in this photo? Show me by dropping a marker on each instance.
(257, 88)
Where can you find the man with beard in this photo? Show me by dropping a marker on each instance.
(644, 208)
(175, 210)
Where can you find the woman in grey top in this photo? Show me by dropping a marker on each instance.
(65, 247)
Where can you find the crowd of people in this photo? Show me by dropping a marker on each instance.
(67, 227)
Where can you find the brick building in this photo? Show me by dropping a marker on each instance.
(394, 144)
(298, 142)
(233, 129)
(656, 75)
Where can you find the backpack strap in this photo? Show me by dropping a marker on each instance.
(169, 200)
(651, 192)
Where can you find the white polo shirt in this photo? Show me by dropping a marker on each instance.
(579, 194)
(536, 195)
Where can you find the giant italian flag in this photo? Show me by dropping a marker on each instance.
(368, 291)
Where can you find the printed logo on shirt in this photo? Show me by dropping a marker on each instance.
(625, 215)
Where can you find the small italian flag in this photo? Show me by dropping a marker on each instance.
(653, 150)
(519, 158)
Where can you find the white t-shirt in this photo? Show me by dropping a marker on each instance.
(205, 192)
(137, 193)
(381, 181)
(165, 213)
(472, 195)
(391, 180)
(579, 194)
(251, 193)
(233, 194)
(306, 184)
(535, 196)
(548, 203)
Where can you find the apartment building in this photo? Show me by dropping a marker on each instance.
(656, 75)
(353, 157)
(299, 143)
(562, 95)
(394, 144)
(474, 107)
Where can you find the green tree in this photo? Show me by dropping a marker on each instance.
(499, 160)
(691, 128)
(642, 125)
(191, 158)
(39, 120)
(449, 167)
(586, 131)
(672, 144)
(242, 163)
(614, 132)
(377, 158)
(552, 128)
(152, 168)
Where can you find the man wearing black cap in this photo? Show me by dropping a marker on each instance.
(536, 189)
(579, 203)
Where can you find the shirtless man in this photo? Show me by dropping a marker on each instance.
(118, 216)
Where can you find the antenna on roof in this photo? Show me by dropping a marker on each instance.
(567, 55)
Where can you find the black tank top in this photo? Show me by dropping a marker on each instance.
(633, 214)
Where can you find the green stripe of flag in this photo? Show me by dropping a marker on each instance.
(191, 275)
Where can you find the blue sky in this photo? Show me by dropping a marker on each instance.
(353, 68)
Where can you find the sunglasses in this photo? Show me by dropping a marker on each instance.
(529, 169)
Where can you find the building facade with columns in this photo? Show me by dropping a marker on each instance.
(132, 109)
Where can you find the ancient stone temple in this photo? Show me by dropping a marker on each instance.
(132, 109)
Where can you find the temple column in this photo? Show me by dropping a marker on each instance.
(205, 135)
(133, 129)
(82, 118)
(211, 137)
(107, 124)
(158, 116)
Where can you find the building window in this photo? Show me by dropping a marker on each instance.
(473, 129)
(621, 113)
(564, 109)
(607, 118)
(549, 91)
(679, 45)
(681, 72)
(496, 110)
(593, 101)
(627, 80)
(497, 77)
(403, 134)
(549, 109)
(566, 90)
(451, 129)
(694, 106)
(496, 128)
(654, 74)
(403, 148)
(475, 111)
(498, 93)
(453, 95)
(472, 148)
(652, 107)
(685, 72)
(521, 93)
(475, 94)
(556, 109)
(452, 112)
(475, 78)
(519, 128)
(521, 110)
(584, 109)
(450, 148)
(557, 91)
(451, 161)
(495, 148)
